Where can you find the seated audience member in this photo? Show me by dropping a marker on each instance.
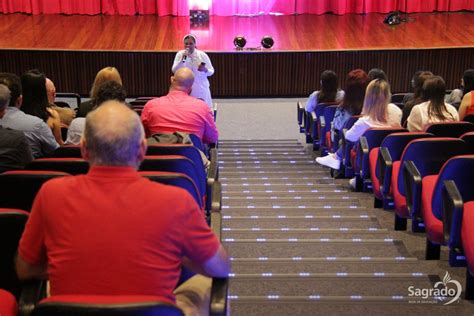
(467, 103)
(15, 151)
(179, 112)
(377, 112)
(417, 82)
(434, 109)
(356, 83)
(104, 75)
(377, 73)
(329, 92)
(113, 232)
(65, 114)
(109, 90)
(35, 102)
(39, 135)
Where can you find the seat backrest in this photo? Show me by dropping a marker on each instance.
(398, 97)
(12, 224)
(174, 163)
(396, 142)
(469, 118)
(460, 169)
(102, 305)
(176, 179)
(328, 115)
(469, 139)
(186, 150)
(429, 155)
(449, 129)
(374, 138)
(19, 187)
(68, 151)
(72, 166)
(69, 95)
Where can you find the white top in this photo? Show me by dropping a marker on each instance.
(394, 117)
(75, 130)
(201, 83)
(418, 118)
(313, 100)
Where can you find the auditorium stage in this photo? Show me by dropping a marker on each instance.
(70, 49)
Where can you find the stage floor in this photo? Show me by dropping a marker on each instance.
(312, 33)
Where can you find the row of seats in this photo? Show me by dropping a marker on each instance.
(424, 177)
(173, 164)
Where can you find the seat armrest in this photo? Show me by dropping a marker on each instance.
(412, 181)
(314, 125)
(299, 113)
(453, 207)
(322, 122)
(216, 224)
(218, 302)
(216, 197)
(32, 293)
(213, 170)
(385, 164)
(362, 159)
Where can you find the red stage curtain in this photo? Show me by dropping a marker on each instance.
(229, 7)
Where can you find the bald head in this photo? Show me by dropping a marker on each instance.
(50, 90)
(113, 136)
(182, 80)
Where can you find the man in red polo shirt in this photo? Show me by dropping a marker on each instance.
(111, 231)
(179, 112)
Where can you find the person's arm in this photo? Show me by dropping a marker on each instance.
(207, 68)
(465, 104)
(312, 100)
(178, 61)
(145, 122)
(357, 130)
(217, 266)
(46, 138)
(211, 134)
(55, 124)
(26, 271)
(202, 251)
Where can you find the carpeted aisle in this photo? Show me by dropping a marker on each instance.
(301, 244)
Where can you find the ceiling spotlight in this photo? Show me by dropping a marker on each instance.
(240, 41)
(267, 42)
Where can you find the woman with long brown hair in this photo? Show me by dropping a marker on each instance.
(434, 109)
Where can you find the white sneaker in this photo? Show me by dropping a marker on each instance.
(353, 183)
(330, 161)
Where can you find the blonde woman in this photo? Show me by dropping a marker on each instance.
(104, 75)
(376, 112)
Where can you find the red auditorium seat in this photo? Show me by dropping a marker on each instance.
(101, 305)
(189, 151)
(19, 187)
(8, 306)
(176, 179)
(458, 219)
(422, 164)
(72, 166)
(12, 224)
(68, 151)
(390, 152)
(469, 139)
(370, 141)
(177, 164)
(449, 129)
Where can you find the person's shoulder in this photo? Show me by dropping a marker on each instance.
(156, 191)
(394, 108)
(58, 184)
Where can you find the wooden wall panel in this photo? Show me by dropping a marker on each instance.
(246, 74)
